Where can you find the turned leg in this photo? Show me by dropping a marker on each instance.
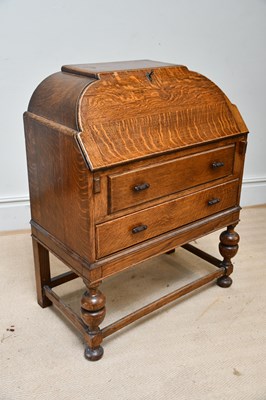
(42, 272)
(93, 313)
(228, 247)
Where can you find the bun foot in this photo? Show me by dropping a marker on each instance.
(93, 354)
(224, 281)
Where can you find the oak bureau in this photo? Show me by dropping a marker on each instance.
(127, 161)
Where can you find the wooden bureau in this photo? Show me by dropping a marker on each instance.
(127, 161)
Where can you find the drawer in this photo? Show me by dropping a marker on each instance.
(137, 227)
(135, 187)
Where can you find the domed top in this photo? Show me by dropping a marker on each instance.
(121, 112)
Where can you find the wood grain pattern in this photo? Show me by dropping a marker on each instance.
(72, 260)
(102, 207)
(125, 117)
(42, 272)
(94, 70)
(171, 89)
(117, 262)
(169, 177)
(94, 132)
(163, 218)
(56, 98)
(60, 187)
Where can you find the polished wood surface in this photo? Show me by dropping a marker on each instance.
(103, 210)
(177, 109)
(169, 177)
(56, 98)
(163, 218)
(59, 184)
(42, 272)
(127, 161)
(93, 70)
(124, 115)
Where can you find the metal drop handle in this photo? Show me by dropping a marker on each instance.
(213, 201)
(142, 186)
(139, 228)
(217, 164)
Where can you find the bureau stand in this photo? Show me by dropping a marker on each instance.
(127, 161)
(93, 301)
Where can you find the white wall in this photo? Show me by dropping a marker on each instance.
(224, 40)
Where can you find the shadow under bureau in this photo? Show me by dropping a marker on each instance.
(127, 161)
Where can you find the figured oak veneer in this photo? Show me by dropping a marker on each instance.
(127, 161)
(137, 118)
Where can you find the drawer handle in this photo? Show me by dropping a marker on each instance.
(217, 164)
(213, 201)
(142, 186)
(139, 228)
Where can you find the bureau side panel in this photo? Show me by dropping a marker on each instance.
(60, 185)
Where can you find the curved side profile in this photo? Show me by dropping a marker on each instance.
(127, 161)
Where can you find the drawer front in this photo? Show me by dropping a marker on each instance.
(136, 187)
(137, 227)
